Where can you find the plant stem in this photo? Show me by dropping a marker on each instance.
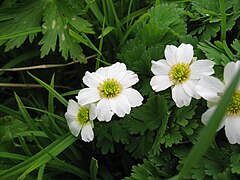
(223, 19)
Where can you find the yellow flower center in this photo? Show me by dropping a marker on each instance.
(234, 106)
(179, 73)
(109, 88)
(83, 115)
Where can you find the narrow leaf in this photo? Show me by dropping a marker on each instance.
(50, 89)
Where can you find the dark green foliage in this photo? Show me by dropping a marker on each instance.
(219, 52)
(142, 122)
(207, 16)
(155, 167)
(9, 129)
(219, 162)
(22, 16)
(154, 140)
(164, 25)
(58, 17)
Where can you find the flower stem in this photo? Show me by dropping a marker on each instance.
(223, 20)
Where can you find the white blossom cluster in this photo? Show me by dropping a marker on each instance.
(109, 91)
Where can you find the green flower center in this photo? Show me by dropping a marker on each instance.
(83, 115)
(109, 88)
(179, 73)
(234, 106)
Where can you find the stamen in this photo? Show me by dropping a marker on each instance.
(109, 88)
(83, 115)
(179, 73)
(234, 106)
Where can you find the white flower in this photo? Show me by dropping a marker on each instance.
(180, 71)
(80, 118)
(110, 88)
(212, 89)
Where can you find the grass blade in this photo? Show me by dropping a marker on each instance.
(93, 169)
(21, 33)
(25, 114)
(41, 172)
(10, 112)
(63, 166)
(50, 97)
(51, 90)
(40, 158)
(14, 156)
(24, 146)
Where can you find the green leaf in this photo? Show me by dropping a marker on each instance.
(147, 117)
(83, 39)
(81, 25)
(50, 97)
(60, 165)
(41, 172)
(11, 112)
(141, 145)
(164, 25)
(235, 160)
(51, 90)
(20, 33)
(219, 53)
(24, 22)
(104, 139)
(106, 31)
(40, 158)
(236, 46)
(93, 169)
(119, 134)
(25, 114)
(55, 27)
(10, 127)
(13, 156)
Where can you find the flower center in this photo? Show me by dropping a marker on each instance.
(179, 73)
(83, 115)
(109, 88)
(234, 106)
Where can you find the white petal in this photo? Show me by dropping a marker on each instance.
(70, 118)
(92, 79)
(133, 96)
(230, 71)
(232, 127)
(210, 88)
(92, 111)
(75, 128)
(103, 72)
(73, 107)
(88, 95)
(87, 133)
(207, 115)
(201, 68)
(180, 97)
(103, 110)
(185, 53)
(189, 87)
(120, 105)
(117, 71)
(160, 67)
(171, 54)
(129, 79)
(160, 83)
